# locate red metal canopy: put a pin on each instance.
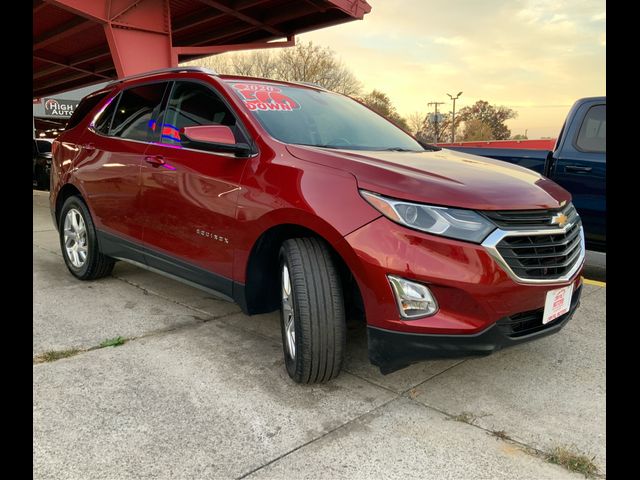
(80, 42)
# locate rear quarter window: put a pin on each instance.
(84, 107)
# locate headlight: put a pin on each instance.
(449, 222)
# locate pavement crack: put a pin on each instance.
(146, 291)
(289, 452)
(499, 435)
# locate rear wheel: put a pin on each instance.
(312, 314)
(79, 243)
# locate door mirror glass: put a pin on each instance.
(220, 134)
(213, 138)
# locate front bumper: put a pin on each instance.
(475, 294)
(391, 351)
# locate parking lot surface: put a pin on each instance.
(199, 390)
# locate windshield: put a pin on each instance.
(311, 117)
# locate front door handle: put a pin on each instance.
(155, 160)
(577, 169)
(89, 147)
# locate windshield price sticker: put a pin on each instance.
(266, 98)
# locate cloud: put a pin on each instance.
(523, 52)
(457, 41)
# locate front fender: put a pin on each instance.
(318, 198)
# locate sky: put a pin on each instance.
(535, 56)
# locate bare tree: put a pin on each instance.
(415, 121)
(302, 63)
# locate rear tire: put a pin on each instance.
(79, 243)
(312, 316)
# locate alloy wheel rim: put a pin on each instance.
(287, 314)
(75, 238)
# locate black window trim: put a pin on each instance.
(82, 121)
(574, 143)
(92, 126)
(119, 95)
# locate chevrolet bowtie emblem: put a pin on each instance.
(559, 219)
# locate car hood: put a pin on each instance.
(442, 177)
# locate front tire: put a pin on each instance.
(79, 243)
(312, 317)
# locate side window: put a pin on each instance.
(193, 104)
(134, 117)
(593, 132)
(102, 122)
(84, 107)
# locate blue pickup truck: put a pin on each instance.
(578, 163)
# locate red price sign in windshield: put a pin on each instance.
(260, 97)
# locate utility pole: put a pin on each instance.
(453, 117)
(435, 117)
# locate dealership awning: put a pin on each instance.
(80, 42)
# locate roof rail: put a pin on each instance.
(311, 84)
(163, 70)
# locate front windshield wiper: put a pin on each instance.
(321, 146)
(398, 149)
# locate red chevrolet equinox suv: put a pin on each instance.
(286, 196)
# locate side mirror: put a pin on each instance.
(215, 138)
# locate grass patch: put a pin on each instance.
(53, 355)
(574, 462)
(465, 417)
(113, 342)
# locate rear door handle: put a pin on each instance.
(155, 160)
(89, 147)
(577, 169)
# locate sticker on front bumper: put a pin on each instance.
(558, 303)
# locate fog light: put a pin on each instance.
(414, 299)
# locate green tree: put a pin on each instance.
(476, 129)
(519, 137)
(489, 116)
(380, 103)
(428, 131)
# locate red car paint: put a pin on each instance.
(234, 201)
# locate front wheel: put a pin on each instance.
(312, 315)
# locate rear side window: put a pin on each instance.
(103, 121)
(84, 107)
(193, 104)
(134, 114)
(593, 132)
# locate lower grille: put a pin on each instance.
(526, 323)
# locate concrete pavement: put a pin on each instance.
(200, 391)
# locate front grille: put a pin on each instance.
(542, 257)
(526, 323)
(527, 219)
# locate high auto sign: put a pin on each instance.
(59, 108)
